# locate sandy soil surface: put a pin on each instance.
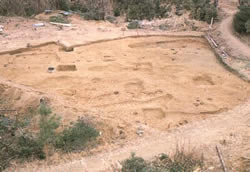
(161, 82)
(19, 32)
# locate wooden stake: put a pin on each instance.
(221, 159)
(211, 24)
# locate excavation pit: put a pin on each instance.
(64, 68)
(133, 80)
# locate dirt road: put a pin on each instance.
(227, 31)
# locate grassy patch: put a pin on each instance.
(59, 19)
(76, 137)
(180, 162)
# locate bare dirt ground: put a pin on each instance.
(170, 87)
(159, 75)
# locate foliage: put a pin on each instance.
(180, 162)
(29, 147)
(59, 19)
(134, 163)
(244, 2)
(134, 25)
(90, 9)
(29, 7)
(247, 25)
(14, 144)
(17, 142)
(240, 21)
(63, 5)
(203, 10)
(48, 125)
(94, 14)
(140, 9)
(76, 137)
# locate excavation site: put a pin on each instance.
(124, 85)
(160, 82)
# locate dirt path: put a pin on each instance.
(227, 32)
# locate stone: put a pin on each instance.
(140, 131)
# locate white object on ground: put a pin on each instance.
(39, 25)
(48, 11)
(1, 28)
(65, 13)
(61, 24)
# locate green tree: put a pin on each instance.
(241, 18)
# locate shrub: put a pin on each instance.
(117, 12)
(241, 18)
(140, 9)
(76, 137)
(63, 5)
(48, 125)
(180, 162)
(203, 10)
(247, 25)
(134, 163)
(93, 15)
(134, 25)
(77, 6)
(29, 147)
(59, 19)
(16, 142)
(28, 7)
(20, 146)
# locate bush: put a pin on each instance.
(247, 25)
(63, 5)
(59, 19)
(140, 9)
(203, 10)
(76, 137)
(17, 143)
(134, 163)
(180, 162)
(241, 18)
(134, 25)
(93, 15)
(117, 12)
(29, 147)
(29, 7)
(20, 146)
